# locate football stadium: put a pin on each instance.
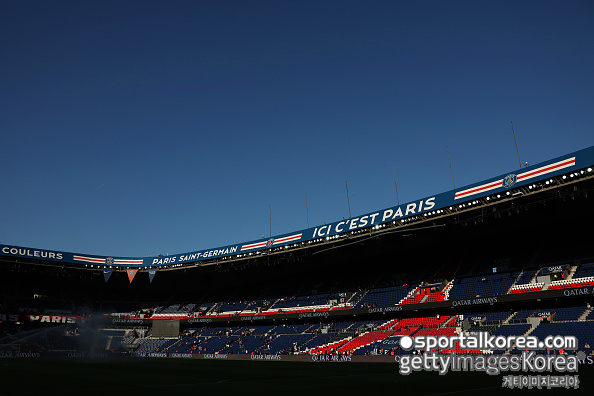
(324, 309)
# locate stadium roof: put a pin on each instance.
(521, 186)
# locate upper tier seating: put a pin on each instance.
(386, 296)
(584, 271)
(482, 285)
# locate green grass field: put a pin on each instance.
(214, 377)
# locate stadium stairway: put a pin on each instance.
(510, 317)
(212, 309)
(108, 344)
(515, 282)
(364, 340)
(388, 325)
(177, 343)
(451, 321)
(411, 296)
(531, 329)
(572, 271)
(526, 333)
(356, 297)
(271, 306)
(446, 291)
(585, 314)
(328, 348)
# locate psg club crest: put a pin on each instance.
(270, 242)
(131, 274)
(509, 180)
(109, 260)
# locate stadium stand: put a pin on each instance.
(445, 275)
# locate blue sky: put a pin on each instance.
(136, 128)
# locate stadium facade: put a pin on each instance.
(507, 255)
(434, 206)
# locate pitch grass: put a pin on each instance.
(213, 377)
